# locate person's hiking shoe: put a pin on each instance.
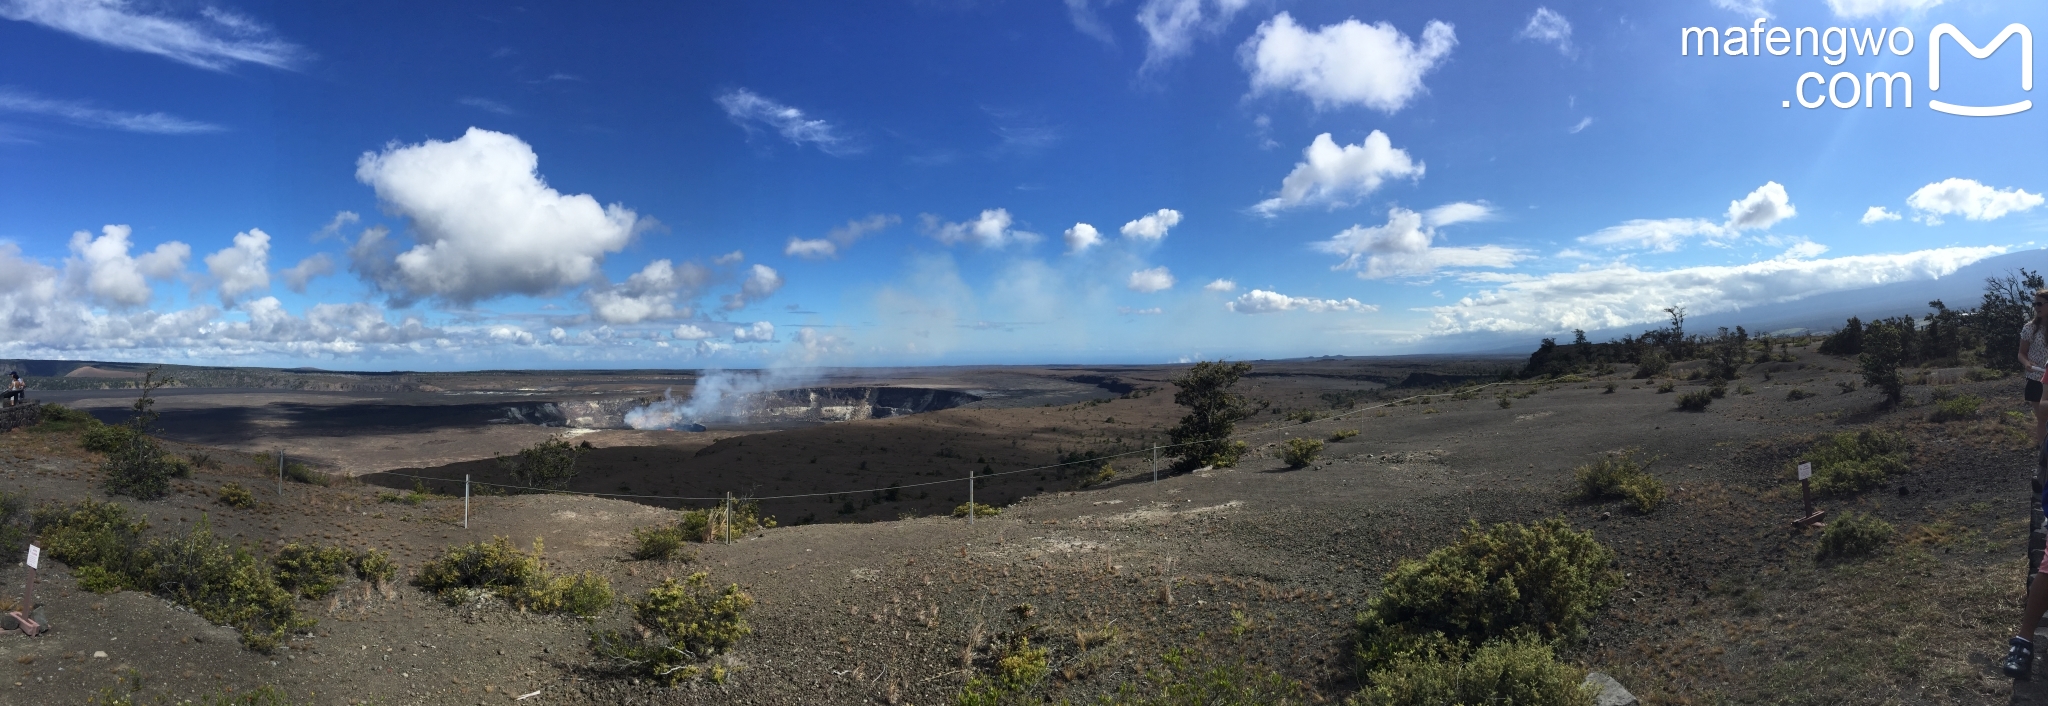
(2019, 661)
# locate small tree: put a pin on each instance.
(1848, 341)
(549, 464)
(1883, 350)
(2008, 305)
(1213, 414)
(136, 466)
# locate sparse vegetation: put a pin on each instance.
(1854, 534)
(980, 510)
(1621, 475)
(1696, 401)
(301, 473)
(1956, 409)
(548, 465)
(685, 624)
(1101, 475)
(661, 543)
(712, 524)
(233, 494)
(1666, 386)
(1018, 666)
(59, 419)
(1610, 388)
(498, 569)
(1797, 394)
(1522, 671)
(1213, 414)
(1342, 434)
(374, 566)
(1299, 452)
(1855, 462)
(1186, 679)
(309, 571)
(136, 465)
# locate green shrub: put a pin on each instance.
(1666, 386)
(234, 495)
(1610, 388)
(980, 510)
(1504, 402)
(227, 585)
(309, 571)
(1101, 475)
(1718, 390)
(90, 533)
(301, 473)
(1542, 579)
(548, 465)
(1184, 679)
(1855, 462)
(99, 580)
(1018, 667)
(711, 524)
(1621, 475)
(1854, 534)
(685, 624)
(1958, 408)
(585, 594)
(57, 418)
(660, 543)
(1652, 364)
(374, 566)
(1299, 452)
(1797, 394)
(1304, 416)
(1695, 401)
(15, 523)
(1523, 672)
(106, 438)
(495, 567)
(1343, 434)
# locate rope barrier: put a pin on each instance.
(1034, 469)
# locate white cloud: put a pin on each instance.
(812, 346)
(1762, 208)
(1580, 126)
(1403, 247)
(1878, 214)
(1873, 8)
(1546, 26)
(1969, 199)
(1128, 311)
(687, 332)
(1331, 174)
(486, 104)
(83, 114)
(652, 294)
(760, 331)
(1620, 295)
(1172, 25)
(297, 276)
(486, 225)
(1663, 235)
(243, 267)
(761, 282)
(838, 239)
(990, 230)
(1221, 285)
(1152, 280)
(748, 108)
(1152, 226)
(731, 258)
(1260, 301)
(1081, 237)
(224, 40)
(1803, 250)
(342, 219)
(108, 276)
(1746, 8)
(1457, 212)
(1085, 20)
(1349, 63)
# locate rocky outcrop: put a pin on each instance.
(1610, 692)
(20, 415)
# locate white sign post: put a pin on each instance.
(28, 596)
(1812, 516)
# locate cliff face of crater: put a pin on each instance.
(810, 404)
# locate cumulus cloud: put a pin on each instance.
(1878, 214)
(761, 282)
(216, 40)
(1803, 250)
(1220, 285)
(1152, 280)
(1081, 237)
(1329, 173)
(83, 114)
(1349, 63)
(750, 109)
(1548, 27)
(1152, 226)
(1171, 26)
(1404, 247)
(1873, 8)
(1969, 199)
(760, 331)
(840, 238)
(1260, 301)
(811, 346)
(1621, 295)
(990, 230)
(652, 294)
(688, 332)
(241, 268)
(485, 223)
(1762, 208)
(298, 276)
(102, 269)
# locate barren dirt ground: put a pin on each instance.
(1256, 563)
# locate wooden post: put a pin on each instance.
(465, 501)
(280, 472)
(1155, 463)
(970, 497)
(728, 518)
(28, 596)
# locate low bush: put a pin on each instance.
(980, 510)
(1017, 667)
(1959, 408)
(106, 438)
(1718, 390)
(1101, 475)
(495, 567)
(711, 524)
(585, 594)
(1304, 416)
(1797, 394)
(15, 524)
(1343, 434)
(1610, 388)
(684, 624)
(1652, 364)
(1621, 475)
(548, 465)
(1854, 534)
(301, 473)
(1855, 462)
(1523, 672)
(90, 533)
(234, 495)
(1542, 579)
(1299, 452)
(57, 418)
(310, 571)
(374, 566)
(1666, 386)
(1695, 401)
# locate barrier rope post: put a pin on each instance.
(970, 497)
(280, 471)
(465, 501)
(728, 518)
(1155, 463)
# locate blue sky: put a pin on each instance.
(726, 184)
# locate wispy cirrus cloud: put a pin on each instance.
(79, 113)
(750, 109)
(216, 40)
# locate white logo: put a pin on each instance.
(1934, 68)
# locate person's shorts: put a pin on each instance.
(2033, 391)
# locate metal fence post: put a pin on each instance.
(465, 501)
(1155, 463)
(970, 497)
(280, 472)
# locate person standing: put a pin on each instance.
(2019, 655)
(15, 389)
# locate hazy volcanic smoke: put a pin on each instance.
(718, 397)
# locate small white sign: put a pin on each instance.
(34, 553)
(1805, 471)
